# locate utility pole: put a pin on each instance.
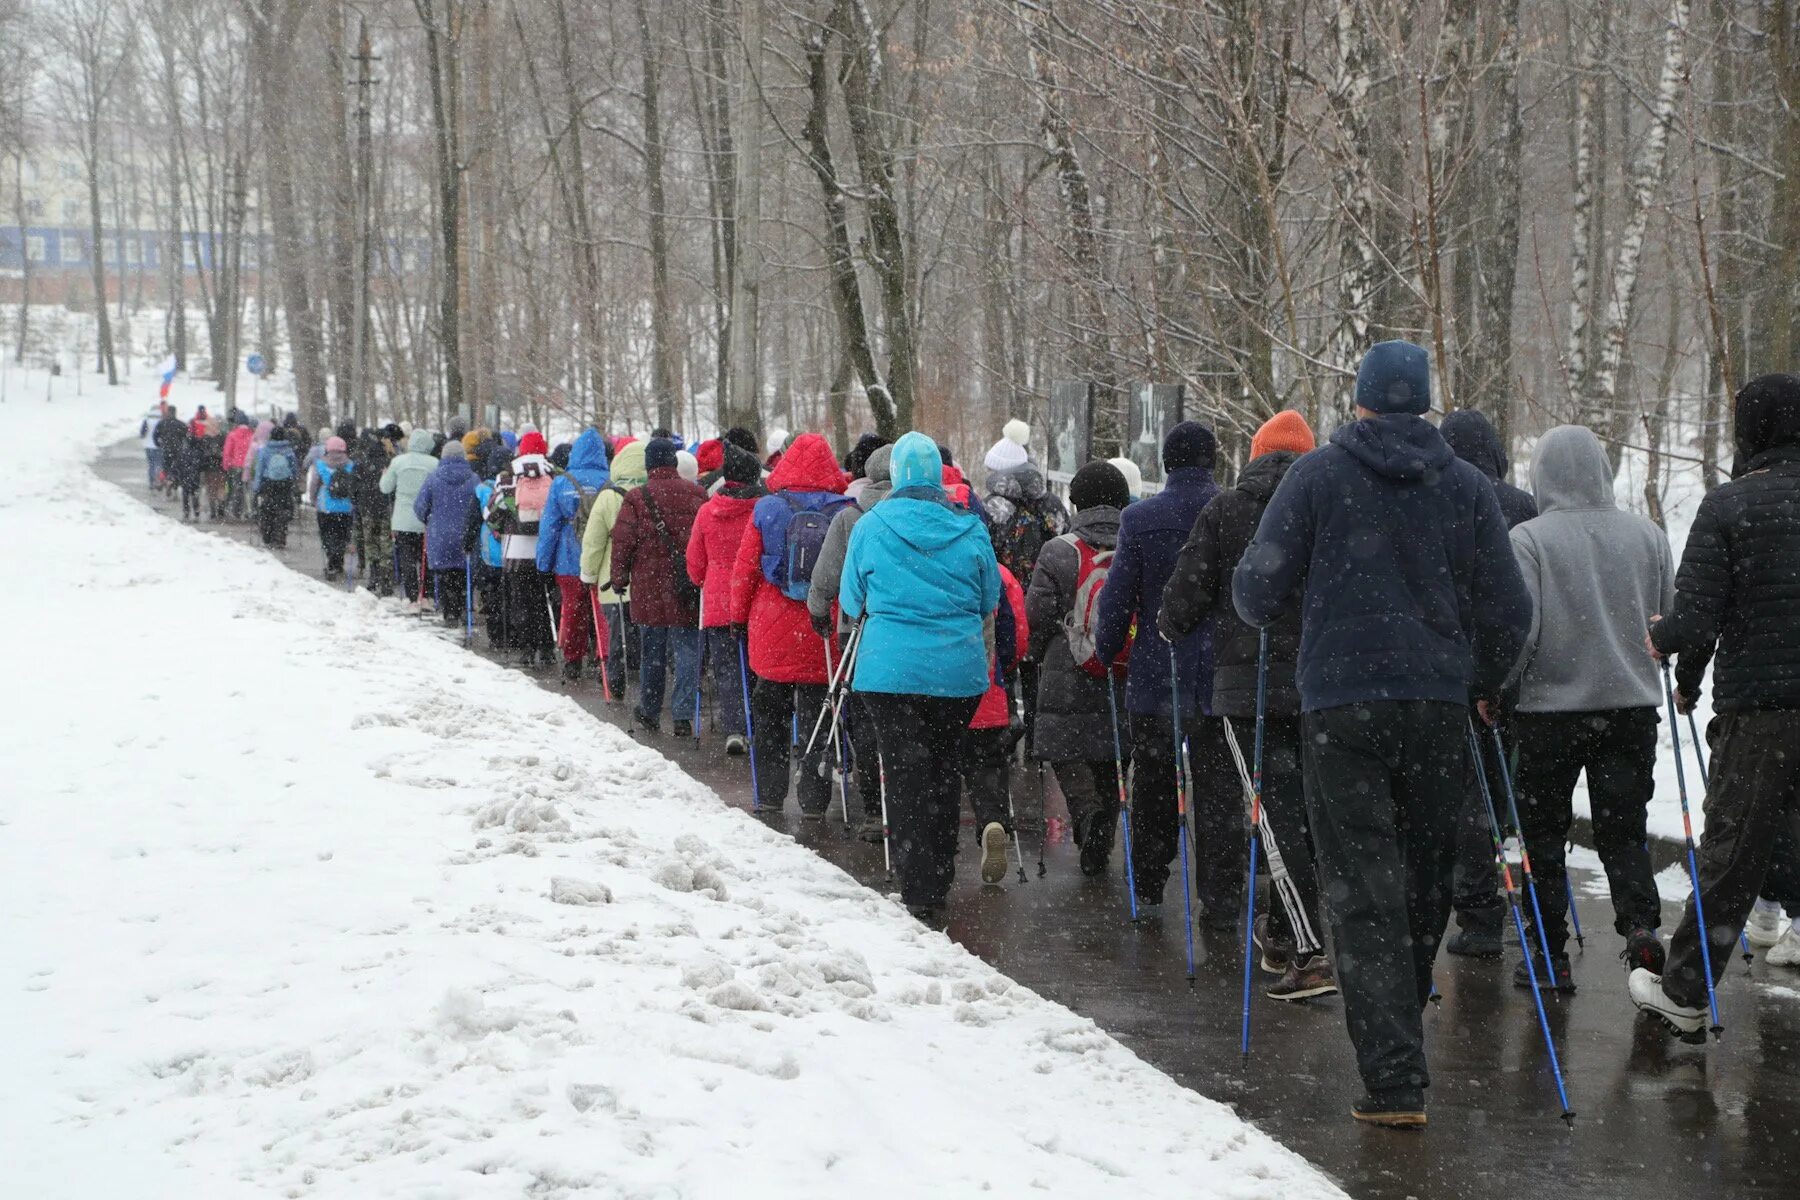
(746, 279)
(361, 401)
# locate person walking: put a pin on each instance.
(190, 468)
(148, 430)
(1735, 594)
(628, 473)
(273, 475)
(329, 491)
(985, 761)
(370, 513)
(1151, 533)
(514, 512)
(484, 544)
(170, 435)
(769, 583)
(921, 570)
(1073, 733)
(649, 561)
(573, 495)
(444, 506)
(1410, 601)
(264, 431)
(234, 455)
(711, 550)
(1199, 592)
(401, 481)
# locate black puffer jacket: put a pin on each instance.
(1739, 582)
(1073, 719)
(1473, 439)
(1201, 588)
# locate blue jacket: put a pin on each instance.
(558, 549)
(1151, 533)
(490, 542)
(323, 500)
(924, 571)
(443, 503)
(1411, 591)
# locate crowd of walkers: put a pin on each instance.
(1362, 667)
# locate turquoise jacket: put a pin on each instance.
(923, 570)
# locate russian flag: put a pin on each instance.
(168, 375)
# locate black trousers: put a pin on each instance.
(1476, 878)
(334, 536)
(1220, 844)
(452, 594)
(1617, 749)
(920, 738)
(865, 750)
(1383, 789)
(488, 583)
(773, 711)
(274, 509)
(1088, 788)
(1284, 810)
(984, 766)
(527, 609)
(409, 552)
(1752, 801)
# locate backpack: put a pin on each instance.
(337, 481)
(531, 493)
(687, 592)
(800, 549)
(1020, 538)
(584, 507)
(1084, 614)
(279, 468)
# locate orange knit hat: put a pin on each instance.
(1286, 430)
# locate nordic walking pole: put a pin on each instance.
(699, 663)
(1512, 813)
(1181, 808)
(1569, 889)
(1687, 829)
(1043, 805)
(750, 732)
(887, 841)
(1256, 791)
(468, 599)
(1706, 783)
(1518, 916)
(602, 640)
(1112, 705)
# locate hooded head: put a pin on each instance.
(278, 435)
(1473, 439)
(1097, 484)
(419, 441)
(263, 430)
(510, 440)
(559, 457)
(1128, 470)
(1767, 415)
(1395, 377)
(660, 453)
(1189, 444)
(1569, 469)
(778, 439)
(1286, 430)
(533, 443)
(857, 461)
(742, 438)
(916, 463)
(687, 466)
(808, 466)
(588, 455)
(741, 465)
(499, 458)
(470, 440)
(452, 451)
(880, 466)
(346, 430)
(628, 470)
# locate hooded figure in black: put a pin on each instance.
(1737, 592)
(370, 509)
(1473, 439)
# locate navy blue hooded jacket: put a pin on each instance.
(1411, 591)
(1151, 534)
(1473, 438)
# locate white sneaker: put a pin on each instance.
(993, 852)
(1764, 926)
(1647, 993)
(1786, 952)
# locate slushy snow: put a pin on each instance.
(301, 899)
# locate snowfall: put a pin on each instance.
(301, 899)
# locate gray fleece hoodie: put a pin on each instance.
(828, 571)
(1597, 575)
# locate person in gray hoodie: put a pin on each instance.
(827, 574)
(1588, 694)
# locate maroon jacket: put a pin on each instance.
(642, 559)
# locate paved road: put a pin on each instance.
(1656, 1117)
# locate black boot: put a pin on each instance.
(1479, 935)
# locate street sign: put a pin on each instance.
(254, 364)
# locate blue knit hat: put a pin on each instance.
(916, 462)
(659, 453)
(1395, 377)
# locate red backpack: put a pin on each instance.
(1084, 614)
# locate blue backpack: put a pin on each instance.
(806, 528)
(280, 466)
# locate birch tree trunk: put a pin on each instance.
(1359, 267)
(665, 366)
(1582, 248)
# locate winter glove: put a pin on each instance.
(1164, 628)
(822, 626)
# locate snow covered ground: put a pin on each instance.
(300, 899)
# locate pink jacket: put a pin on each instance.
(237, 448)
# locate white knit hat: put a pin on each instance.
(1018, 431)
(687, 466)
(1134, 478)
(1005, 455)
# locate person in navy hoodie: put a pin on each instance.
(443, 504)
(1410, 602)
(1151, 534)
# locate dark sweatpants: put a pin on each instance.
(1383, 789)
(920, 737)
(451, 588)
(527, 604)
(1220, 845)
(409, 552)
(983, 765)
(1753, 798)
(1284, 812)
(488, 582)
(772, 712)
(1617, 749)
(865, 751)
(1088, 788)
(334, 536)
(274, 509)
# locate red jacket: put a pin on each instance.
(642, 561)
(995, 710)
(237, 448)
(957, 488)
(783, 646)
(712, 551)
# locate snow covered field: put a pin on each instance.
(300, 899)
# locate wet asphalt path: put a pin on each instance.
(1656, 1117)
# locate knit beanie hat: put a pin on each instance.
(452, 449)
(336, 445)
(1004, 455)
(710, 455)
(1189, 444)
(741, 465)
(559, 457)
(1096, 484)
(660, 452)
(857, 461)
(470, 440)
(1286, 430)
(1395, 377)
(743, 439)
(1134, 478)
(687, 466)
(533, 443)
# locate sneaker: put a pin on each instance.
(1786, 952)
(1148, 911)
(1096, 843)
(571, 671)
(736, 746)
(1647, 993)
(1392, 1108)
(993, 852)
(1764, 926)
(683, 730)
(869, 830)
(1304, 978)
(1479, 933)
(1644, 949)
(1276, 954)
(1561, 980)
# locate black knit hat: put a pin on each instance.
(1099, 483)
(741, 466)
(743, 439)
(858, 458)
(1189, 444)
(660, 452)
